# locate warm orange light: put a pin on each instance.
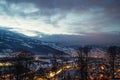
(118, 70)
(59, 71)
(91, 78)
(101, 75)
(102, 67)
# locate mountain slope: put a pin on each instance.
(13, 42)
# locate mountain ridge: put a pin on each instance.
(13, 42)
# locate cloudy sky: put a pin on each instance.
(86, 21)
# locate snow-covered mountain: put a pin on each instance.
(65, 49)
(98, 53)
(95, 53)
(11, 42)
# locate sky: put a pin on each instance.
(84, 21)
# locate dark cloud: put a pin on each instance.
(110, 8)
(65, 4)
(70, 4)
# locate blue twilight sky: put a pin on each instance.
(77, 20)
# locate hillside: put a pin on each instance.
(13, 42)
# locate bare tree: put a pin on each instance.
(112, 52)
(22, 58)
(86, 50)
(83, 61)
